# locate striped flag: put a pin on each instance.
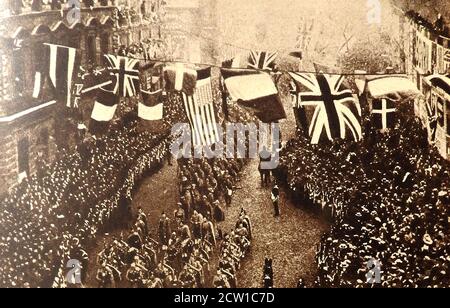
(326, 107)
(255, 91)
(105, 105)
(126, 72)
(59, 67)
(200, 111)
(151, 107)
(180, 78)
(262, 60)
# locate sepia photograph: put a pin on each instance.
(224, 150)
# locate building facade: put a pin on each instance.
(32, 130)
(190, 30)
(427, 61)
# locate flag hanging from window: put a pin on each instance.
(59, 64)
(327, 108)
(151, 107)
(255, 91)
(126, 75)
(200, 111)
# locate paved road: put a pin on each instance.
(290, 240)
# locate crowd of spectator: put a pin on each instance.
(64, 205)
(389, 199)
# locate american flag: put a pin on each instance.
(200, 111)
(262, 60)
(126, 72)
(59, 66)
(327, 107)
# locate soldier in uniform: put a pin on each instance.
(275, 200)
(143, 218)
(219, 213)
(134, 240)
(208, 232)
(196, 221)
(164, 229)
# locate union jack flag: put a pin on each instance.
(326, 107)
(125, 70)
(262, 60)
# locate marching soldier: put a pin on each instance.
(275, 200)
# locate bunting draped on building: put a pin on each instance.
(326, 108)
(200, 110)
(255, 91)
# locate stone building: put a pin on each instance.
(31, 130)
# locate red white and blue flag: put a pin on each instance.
(59, 67)
(126, 73)
(328, 110)
(200, 111)
(262, 60)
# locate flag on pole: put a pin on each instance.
(262, 60)
(151, 107)
(180, 78)
(328, 109)
(200, 111)
(256, 91)
(105, 105)
(383, 113)
(59, 67)
(126, 74)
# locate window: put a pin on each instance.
(43, 141)
(18, 69)
(91, 49)
(23, 156)
(104, 47)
